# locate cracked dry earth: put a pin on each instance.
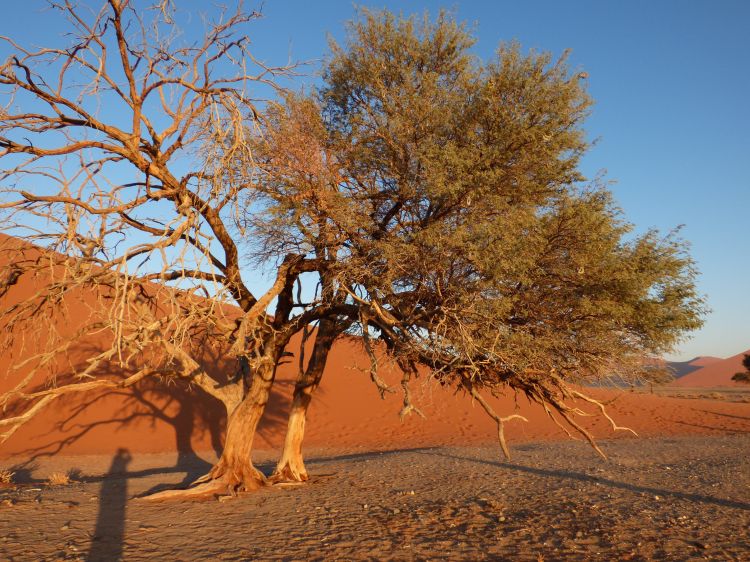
(654, 499)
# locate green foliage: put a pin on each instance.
(447, 195)
(743, 376)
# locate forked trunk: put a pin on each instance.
(234, 472)
(291, 466)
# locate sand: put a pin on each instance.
(680, 491)
(346, 413)
(654, 499)
(717, 373)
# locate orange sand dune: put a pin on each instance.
(346, 413)
(717, 373)
(682, 368)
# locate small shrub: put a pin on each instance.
(59, 479)
(717, 396)
(6, 476)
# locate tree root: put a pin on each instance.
(209, 487)
(288, 473)
(206, 490)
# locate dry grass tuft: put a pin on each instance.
(59, 479)
(6, 476)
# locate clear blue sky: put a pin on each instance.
(671, 80)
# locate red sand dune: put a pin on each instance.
(682, 368)
(346, 413)
(705, 360)
(717, 373)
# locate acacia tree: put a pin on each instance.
(743, 376)
(124, 154)
(446, 198)
(436, 199)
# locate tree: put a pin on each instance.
(656, 375)
(743, 376)
(436, 201)
(446, 197)
(124, 155)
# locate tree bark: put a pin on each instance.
(291, 466)
(234, 472)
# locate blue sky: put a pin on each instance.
(670, 79)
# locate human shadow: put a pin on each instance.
(108, 539)
(586, 478)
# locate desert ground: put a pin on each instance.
(382, 488)
(669, 498)
(422, 489)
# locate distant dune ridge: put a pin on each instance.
(716, 372)
(682, 368)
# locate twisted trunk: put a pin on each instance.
(291, 466)
(234, 472)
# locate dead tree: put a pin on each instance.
(125, 156)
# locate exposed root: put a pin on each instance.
(289, 472)
(205, 478)
(287, 484)
(217, 483)
(205, 490)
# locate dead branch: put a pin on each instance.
(498, 420)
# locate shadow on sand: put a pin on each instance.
(586, 478)
(109, 534)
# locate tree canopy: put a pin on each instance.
(435, 199)
(447, 195)
(743, 376)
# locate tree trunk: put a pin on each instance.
(234, 472)
(291, 466)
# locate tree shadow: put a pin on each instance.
(726, 415)
(188, 410)
(586, 478)
(719, 429)
(109, 534)
(367, 455)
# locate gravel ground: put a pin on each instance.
(654, 499)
